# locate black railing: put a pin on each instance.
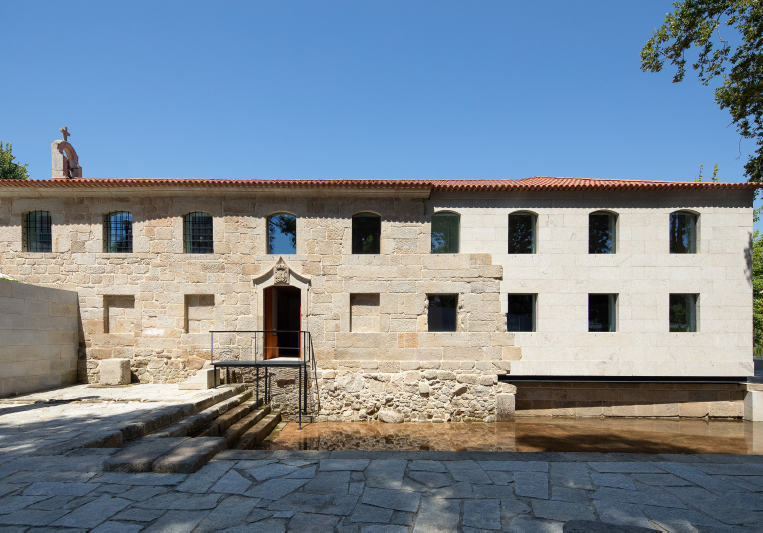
(266, 348)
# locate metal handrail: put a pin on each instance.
(305, 348)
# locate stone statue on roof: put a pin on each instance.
(65, 160)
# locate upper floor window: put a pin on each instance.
(683, 233)
(602, 233)
(197, 233)
(118, 232)
(445, 233)
(521, 312)
(522, 233)
(39, 235)
(366, 233)
(282, 234)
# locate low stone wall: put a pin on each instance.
(417, 392)
(630, 400)
(38, 338)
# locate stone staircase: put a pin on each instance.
(184, 447)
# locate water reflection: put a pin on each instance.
(531, 435)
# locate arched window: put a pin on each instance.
(366, 233)
(445, 228)
(683, 233)
(602, 232)
(39, 236)
(522, 233)
(282, 234)
(197, 233)
(118, 232)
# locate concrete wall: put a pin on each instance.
(38, 338)
(643, 273)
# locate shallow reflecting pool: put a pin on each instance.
(530, 435)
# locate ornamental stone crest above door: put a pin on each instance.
(281, 272)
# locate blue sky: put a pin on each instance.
(371, 90)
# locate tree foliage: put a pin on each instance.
(711, 26)
(8, 169)
(757, 289)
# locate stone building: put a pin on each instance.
(418, 295)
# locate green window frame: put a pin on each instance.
(118, 232)
(198, 233)
(683, 232)
(39, 232)
(445, 233)
(683, 313)
(366, 233)
(602, 233)
(522, 232)
(520, 315)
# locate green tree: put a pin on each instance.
(8, 169)
(699, 23)
(757, 290)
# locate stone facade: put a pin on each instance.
(38, 338)
(367, 314)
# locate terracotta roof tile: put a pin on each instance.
(532, 183)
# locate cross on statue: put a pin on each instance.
(65, 132)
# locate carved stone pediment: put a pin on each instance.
(281, 274)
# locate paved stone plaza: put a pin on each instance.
(42, 485)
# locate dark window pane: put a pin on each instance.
(521, 315)
(601, 312)
(282, 234)
(445, 233)
(601, 233)
(119, 232)
(197, 233)
(522, 233)
(683, 233)
(39, 235)
(366, 233)
(442, 312)
(683, 312)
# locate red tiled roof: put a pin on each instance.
(533, 183)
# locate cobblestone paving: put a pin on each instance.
(389, 492)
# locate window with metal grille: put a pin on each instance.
(445, 233)
(39, 235)
(118, 232)
(366, 233)
(197, 233)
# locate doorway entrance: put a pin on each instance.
(283, 321)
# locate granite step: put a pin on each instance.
(193, 423)
(258, 432)
(189, 456)
(234, 432)
(140, 457)
(220, 424)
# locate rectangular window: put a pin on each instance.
(683, 313)
(521, 315)
(38, 236)
(442, 312)
(366, 233)
(602, 229)
(683, 233)
(602, 313)
(522, 233)
(445, 233)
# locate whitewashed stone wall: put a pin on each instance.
(643, 273)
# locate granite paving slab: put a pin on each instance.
(482, 514)
(531, 484)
